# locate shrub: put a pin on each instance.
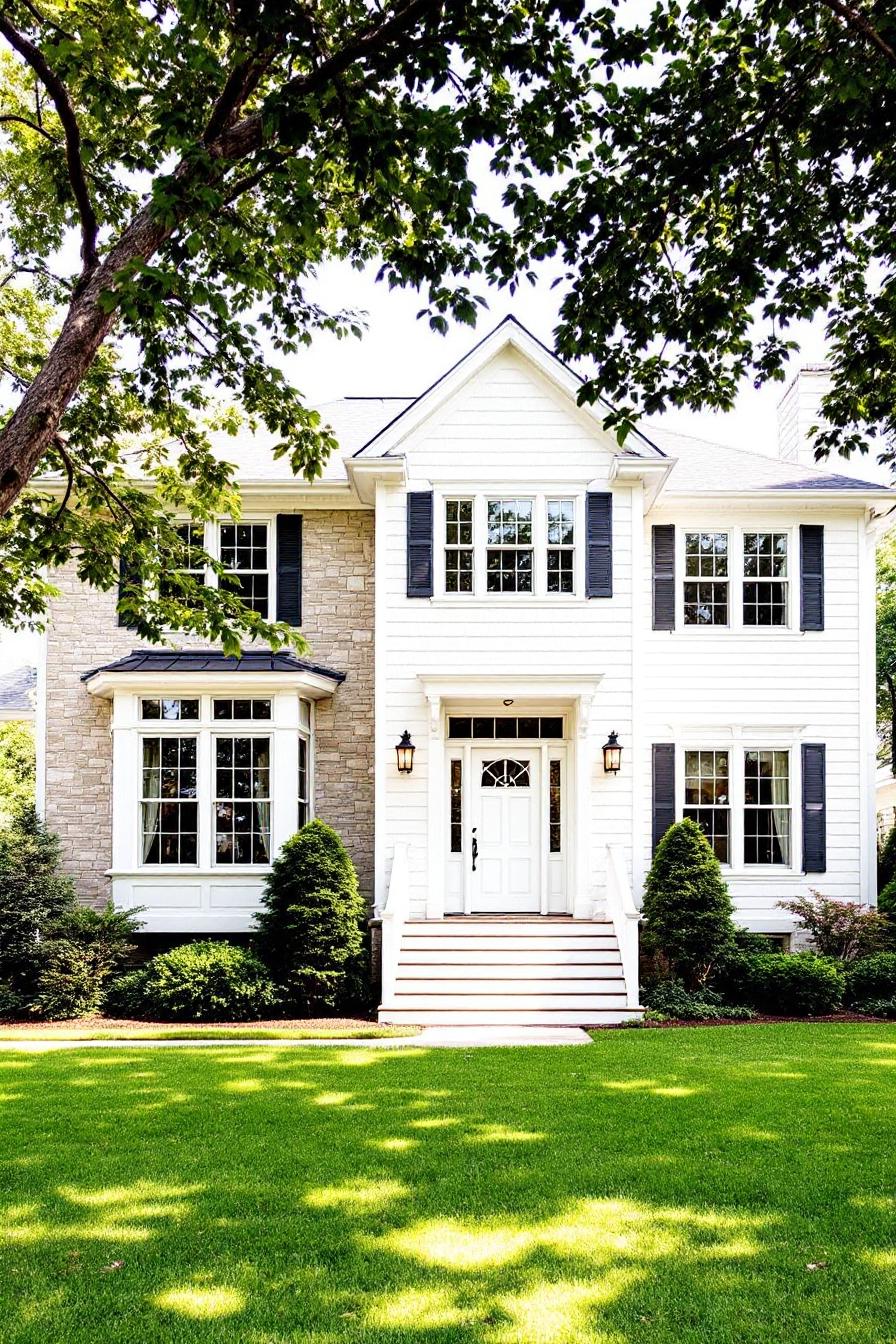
(886, 901)
(309, 928)
(841, 929)
(871, 978)
(84, 950)
(199, 982)
(34, 897)
(126, 995)
(876, 1007)
(687, 909)
(670, 998)
(787, 984)
(886, 861)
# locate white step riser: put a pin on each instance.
(517, 1002)
(439, 988)
(506, 943)
(535, 928)
(408, 970)
(504, 1018)
(484, 958)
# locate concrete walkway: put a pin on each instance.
(457, 1038)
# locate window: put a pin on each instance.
(304, 800)
(170, 710)
(561, 548)
(456, 804)
(244, 554)
(168, 807)
(242, 805)
(765, 578)
(189, 562)
(458, 545)
(241, 709)
(706, 578)
(554, 807)
(508, 556)
(767, 807)
(488, 727)
(707, 799)
(505, 775)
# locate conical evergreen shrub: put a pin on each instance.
(34, 897)
(309, 929)
(687, 909)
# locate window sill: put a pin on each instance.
(192, 870)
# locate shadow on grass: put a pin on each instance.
(716, 1187)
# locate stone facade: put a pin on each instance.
(338, 623)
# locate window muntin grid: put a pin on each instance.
(244, 554)
(244, 708)
(560, 545)
(242, 800)
(456, 807)
(459, 545)
(767, 809)
(509, 552)
(765, 578)
(192, 541)
(707, 798)
(169, 814)
(706, 578)
(488, 726)
(171, 710)
(505, 774)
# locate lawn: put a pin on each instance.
(712, 1185)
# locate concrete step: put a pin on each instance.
(523, 987)
(487, 957)
(486, 1000)
(537, 927)
(530, 970)
(506, 942)
(504, 1017)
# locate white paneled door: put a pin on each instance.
(506, 817)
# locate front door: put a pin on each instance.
(506, 872)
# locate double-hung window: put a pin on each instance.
(244, 554)
(304, 791)
(767, 811)
(706, 578)
(509, 551)
(509, 544)
(188, 563)
(741, 798)
(242, 803)
(765, 578)
(561, 545)
(707, 798)
(459, 546)
(169, 811)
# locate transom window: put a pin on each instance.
(241, 709)
(561, 545)
(505, 774)
(168, 807)
(707, 799)
(509, 551)
(458, 545)
(242, 800)
(488, 727)
(767, 819)
(244, 554)
(765, 578)
(171, 710)
(706, 578)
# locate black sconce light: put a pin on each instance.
(404, 751)
(612, 755)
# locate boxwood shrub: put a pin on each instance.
(197, 982)
(872, 978)
(670, 998)
(783, 984)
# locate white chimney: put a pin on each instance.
(799, 411)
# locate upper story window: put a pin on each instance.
(765, 578)
(244, 554)
(509, 544)
(706, 578)
(192, 540)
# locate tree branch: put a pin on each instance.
(32, 126)
(861, 24)
(66, 113)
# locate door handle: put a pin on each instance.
(475, 849)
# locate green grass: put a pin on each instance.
(203, 1033)
(658, 1187)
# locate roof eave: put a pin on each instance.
(652, 472)
(365, 473)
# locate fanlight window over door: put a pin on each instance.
(505, 774)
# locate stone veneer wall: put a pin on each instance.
(337, 611)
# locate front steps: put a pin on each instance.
(477, 971)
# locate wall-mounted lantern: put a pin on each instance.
(404, 751)
(612, 755)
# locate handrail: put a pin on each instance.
(625, 915)
(394, 917)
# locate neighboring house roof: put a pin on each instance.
(209, 660)
(17, 690)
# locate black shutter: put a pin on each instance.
(811, 577)
(128, 586)
(663, 789)
(419, 543)
(814, 808)
(664, 577)
(289, 568)
(599, 527)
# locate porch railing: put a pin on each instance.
(394, 916)
(625, 915)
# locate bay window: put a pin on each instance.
(242, 804)
(168, 806)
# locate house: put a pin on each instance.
(531, 650)
(17, 693)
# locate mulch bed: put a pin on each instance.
(98, 1023)
(758, 1021)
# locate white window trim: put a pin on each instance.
(211, 543)
(736, 755)
(736, 578)
(539, 498)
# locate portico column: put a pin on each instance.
(436, 848)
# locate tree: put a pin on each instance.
(308, 931)
(886, 649)
(17, 769)
(34, 899)
(687, 909)
(208, 155)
